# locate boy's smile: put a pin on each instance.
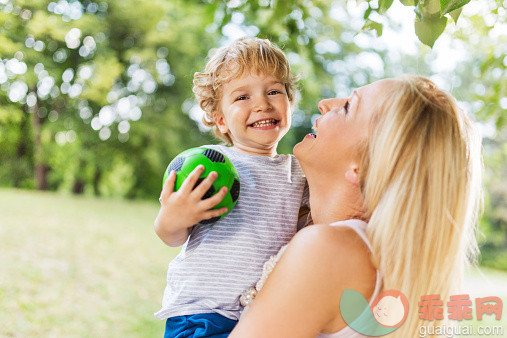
(265, 124)
(255, 112)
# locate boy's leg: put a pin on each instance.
(199, 326)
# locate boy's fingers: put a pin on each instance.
(192, 178)
(214, 213)
(168, 186)
(203, 187)
(209, 203)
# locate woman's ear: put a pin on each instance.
(220, 122)
(352, 175)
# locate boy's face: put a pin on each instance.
(256, 113)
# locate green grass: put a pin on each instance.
(86, 267)
(79, 267)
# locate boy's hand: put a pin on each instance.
(183, 208)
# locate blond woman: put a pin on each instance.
(394, 176)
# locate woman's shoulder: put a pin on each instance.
(302, 295)
(338, 248)
(330, 238)
(340, 259)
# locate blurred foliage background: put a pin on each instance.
(95, 96)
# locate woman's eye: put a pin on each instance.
(346, 107)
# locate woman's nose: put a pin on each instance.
(328, 104)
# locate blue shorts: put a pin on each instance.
(199, 325)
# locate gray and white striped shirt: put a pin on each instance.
(220, 260)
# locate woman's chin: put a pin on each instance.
(297, 149)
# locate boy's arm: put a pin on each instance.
(171, 238)
(181, 209)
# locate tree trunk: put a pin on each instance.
(23, 154)
(78, 187)
(41, 168)
(96, 181)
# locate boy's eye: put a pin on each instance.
(274, 92)
(240, 98)
(346, 107)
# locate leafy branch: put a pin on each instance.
(431, 16)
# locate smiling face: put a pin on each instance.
(340, 130)
(255, 113)
(389, 311)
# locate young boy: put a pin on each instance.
(247, 92)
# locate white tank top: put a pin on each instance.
(360, 228)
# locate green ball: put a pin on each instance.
(212, 160)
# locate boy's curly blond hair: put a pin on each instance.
(243, 56)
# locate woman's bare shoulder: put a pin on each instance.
(343, 257)
(301, 297)
(333, 241)
(340, 251)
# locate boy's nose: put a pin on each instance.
(261, 105)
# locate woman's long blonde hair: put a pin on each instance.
(421, 180)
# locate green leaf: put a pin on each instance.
(447, 6)
(372, 25)
(418, 13)
(383, 5)
(430, 7)
(367, 13)
(429, 29)
(455, 14)
(408, 2)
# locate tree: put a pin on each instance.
(96, 96)
(431, 16)
(80, 68)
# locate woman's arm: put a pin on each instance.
(302, 295)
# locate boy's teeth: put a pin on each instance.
(264, 123)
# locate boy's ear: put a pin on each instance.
(352, 175)
(220, 122)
